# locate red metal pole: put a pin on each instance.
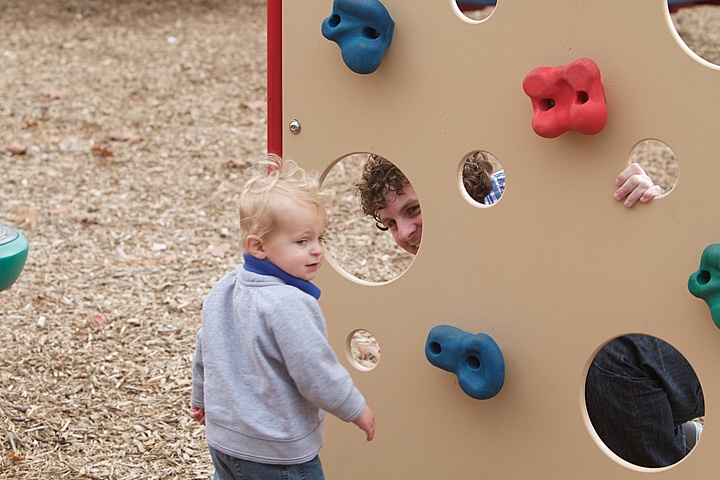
(274, 77)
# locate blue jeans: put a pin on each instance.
(231, 468)
(639, 391)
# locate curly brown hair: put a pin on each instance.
(379, 177)
(476, 174)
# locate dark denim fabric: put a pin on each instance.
(230, 468)
(639, 390)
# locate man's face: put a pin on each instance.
(402, 216)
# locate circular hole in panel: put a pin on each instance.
(697, 24)
(643, 401)
(363, 350)
(482, 178)
(357, 244)
(659, 162)
(475, 10)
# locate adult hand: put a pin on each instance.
(633, 185)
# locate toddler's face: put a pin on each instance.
(296, 243)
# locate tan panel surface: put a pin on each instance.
(552, 271)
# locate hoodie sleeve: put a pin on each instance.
(301, 334)
(198, 374)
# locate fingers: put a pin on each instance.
(635, 194)
(635, 185)
(198, 414)
(366, 421)
(630, 170)
(651, 193)
(370, 432)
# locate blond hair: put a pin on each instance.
(266, 181)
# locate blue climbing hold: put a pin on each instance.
(363, 29)
(475, 359)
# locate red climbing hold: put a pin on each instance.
(569, 97)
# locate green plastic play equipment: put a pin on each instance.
(13, 253)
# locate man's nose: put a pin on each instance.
(406, 229)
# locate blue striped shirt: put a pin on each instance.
(498, 181)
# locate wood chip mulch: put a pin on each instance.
(125, 127)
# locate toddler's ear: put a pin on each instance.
(255, 246)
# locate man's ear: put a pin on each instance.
(255, 246)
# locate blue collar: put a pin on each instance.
(263, 267)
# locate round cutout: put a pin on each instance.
(659, 162)
(482, 178)
(358, 244)
(697, 25)
(475, 10)
(363, 350)
(643, 401)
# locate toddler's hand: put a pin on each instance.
(198, 414)
(366, 421)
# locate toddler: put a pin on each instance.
(264, 373)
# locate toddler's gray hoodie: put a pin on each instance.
(264, 372)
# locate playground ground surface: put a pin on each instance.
(124, 130)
